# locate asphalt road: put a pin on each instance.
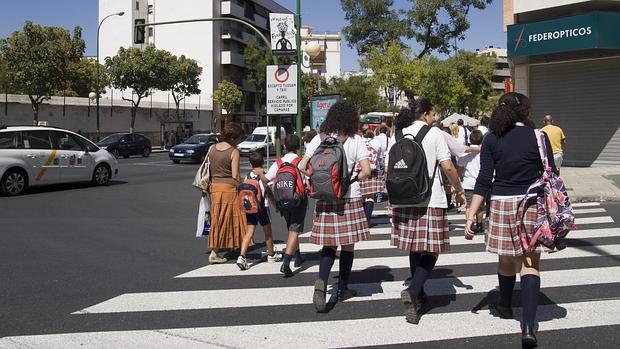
(68, 247)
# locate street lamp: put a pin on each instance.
(97, 68)
(313, 50)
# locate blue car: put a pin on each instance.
(194, 148)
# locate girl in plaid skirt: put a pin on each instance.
(339, 223)
(509, 163)
(372, 185)
(423, 229)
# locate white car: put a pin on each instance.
(31, 155)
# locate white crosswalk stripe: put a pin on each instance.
(592, 259)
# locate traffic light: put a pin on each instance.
(138, 31)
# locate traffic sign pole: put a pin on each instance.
(298, 121)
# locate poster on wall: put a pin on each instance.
(319, 105)
(282, 33)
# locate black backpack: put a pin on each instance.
(407, 178)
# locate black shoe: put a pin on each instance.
(299, 261)
(318, 298)
(504, 312)
(411, 315)
(346, 293)
(422, 298)
(286, 270)
(528, 337)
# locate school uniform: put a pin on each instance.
(424, 227)
(341, 222)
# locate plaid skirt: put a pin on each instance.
(371, 185)
(339, 223)
(503, 237)
(420, 229)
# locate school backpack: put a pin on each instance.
(407, 180)
(556, 217)
(250, 195)
(328, 169)
(373, 158)
(289, 190)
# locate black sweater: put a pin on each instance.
(514, 158)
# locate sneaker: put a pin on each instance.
(504, 312)
(242, 263)
(286, 270)
(411, 315)
(346, 293)
(276, 257)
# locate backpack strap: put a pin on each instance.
(296, 161)
(279, 162)
(542, 148)
(422, 133)
(399, 134)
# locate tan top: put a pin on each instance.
(220, 164)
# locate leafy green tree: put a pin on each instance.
(361, 91)
(184, 78)
(81, 79)
(476, 71)
(38, 60)
(311, 85)
(228, 96)
(443, 86)
(140, 71)
(257, 59)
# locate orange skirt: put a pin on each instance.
(228, 222)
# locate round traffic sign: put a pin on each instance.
(281, 75)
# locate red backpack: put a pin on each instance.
(250, 195)
(289, 190)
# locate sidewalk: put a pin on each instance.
(599, 183)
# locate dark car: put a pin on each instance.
(126, 144)
(193, 149)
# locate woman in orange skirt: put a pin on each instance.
(228, 223)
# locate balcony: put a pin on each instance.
(502, 72)
(498, 86)
(230, 8)
(233, 58)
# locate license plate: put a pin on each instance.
(180, 155)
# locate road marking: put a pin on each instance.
(336, 333)
(457, 217)
(311, 266)
(48, 162)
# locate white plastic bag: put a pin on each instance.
(204, 216)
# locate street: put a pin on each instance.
(120, 266)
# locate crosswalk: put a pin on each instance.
(220, 306)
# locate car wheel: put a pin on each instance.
(146, 152)
(115, 153)
(13, 182)
(176, 161)
(101, 175)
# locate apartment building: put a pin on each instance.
(501, 78)
(327, 62)
(217, 46)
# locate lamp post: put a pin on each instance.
(97, 68)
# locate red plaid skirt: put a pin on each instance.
(339, 223)
(503, 237)
(420, 229)
(371, 185)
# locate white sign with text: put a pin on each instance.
(282, 89)
(282, 32)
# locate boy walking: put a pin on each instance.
(261, 217)
(471, 163)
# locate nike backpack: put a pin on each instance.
(289, 190)
(250, 195)
(328, 169)
(407, 180)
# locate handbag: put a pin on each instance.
(202, 179)
(203, 226)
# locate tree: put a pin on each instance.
(140, 71)
(184, 78)
(38, 60)
(257, 59)
(443, 86)
(228, 96)
(476, 71)
(360, 91)
(433, 24)
(82, 79)
(310, 87)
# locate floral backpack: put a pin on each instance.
(555, 218)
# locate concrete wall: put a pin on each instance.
(79, 115)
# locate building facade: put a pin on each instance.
(218, 47)
(501, 78)
(327, 63)
(565, 55)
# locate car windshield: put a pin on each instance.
(197, 139)
(372, 119)
(112, 138)
(255, 138)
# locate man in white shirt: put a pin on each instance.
(484, 125)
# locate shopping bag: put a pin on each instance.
(204, 217)
(202, 179)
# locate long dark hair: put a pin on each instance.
(412, 112)
(513, 107)
(342, 118)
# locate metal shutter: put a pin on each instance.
(584, 99)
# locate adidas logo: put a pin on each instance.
(401, 164)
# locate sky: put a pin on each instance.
(323, 15)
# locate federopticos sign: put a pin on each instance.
(281, 89)
(594, 30)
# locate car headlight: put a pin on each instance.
(189, 151)
(172, 150)
(104, 147)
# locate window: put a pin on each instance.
(64, 141)
(150, 32)
(86, 144)
(137, 6)
(150, 9)
(36, 140)
(8, 140)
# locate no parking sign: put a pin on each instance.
(281, 89)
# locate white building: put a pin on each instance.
(501, 74)
(217, 46)
(327, 63)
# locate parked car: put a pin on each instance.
(194, 148)
(259, 140)
(126, 145)
(32, 155)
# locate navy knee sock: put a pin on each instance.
(297, 255)
(368, 207)
(328, 256)
(414, 261)
(346, 264)
(506, 286)
(286, 259)
(425, 267)
(530, 293)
